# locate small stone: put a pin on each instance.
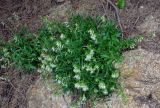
(39, 96)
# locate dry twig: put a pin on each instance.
(117, 14)
(65, 101)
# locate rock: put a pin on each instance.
(89, 7)
(150, 25)
(140, 72)
(39, 96)
(60, 12)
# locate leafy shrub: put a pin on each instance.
(79, 54)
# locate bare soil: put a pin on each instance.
(13, 88)
(17, 13)
(136, 21)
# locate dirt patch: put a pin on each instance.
(13, 87)
(17, 13)
(141, 17)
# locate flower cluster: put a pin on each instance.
(90, 69)
(92, 35)
(89, 55)
(103, 87)
(47, 64)
(5, 58)
(137, 40)
(82, 86)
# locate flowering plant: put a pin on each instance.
(81, 55)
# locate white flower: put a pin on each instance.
(52, 38)
(44, 62)
(66, 23)
(5, 50)
(59, 44)
(84, 66)
(15, 38)
(95, 91)
(76, 69)
(89, 56)
(57, 77)
(115, 75)
(133, 46)
(53, 49)
(92, 35)
(96, 67)
(90, 69)
(77, 85)
(39, 58)
(102, 85)
(39, 71)
(77, 77)
(91, 52)
(84, 87)
(117, 65)
(43, 55)
(84, 98)
(140, 39)
(48, 58)
(49, 29)
(105, 92)
(59, 81)
(48, 68)
(76, 26)
(62, 36)
(52, 65)
(103, 18)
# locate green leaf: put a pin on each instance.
(121, 4)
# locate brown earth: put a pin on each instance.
(140, 17)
